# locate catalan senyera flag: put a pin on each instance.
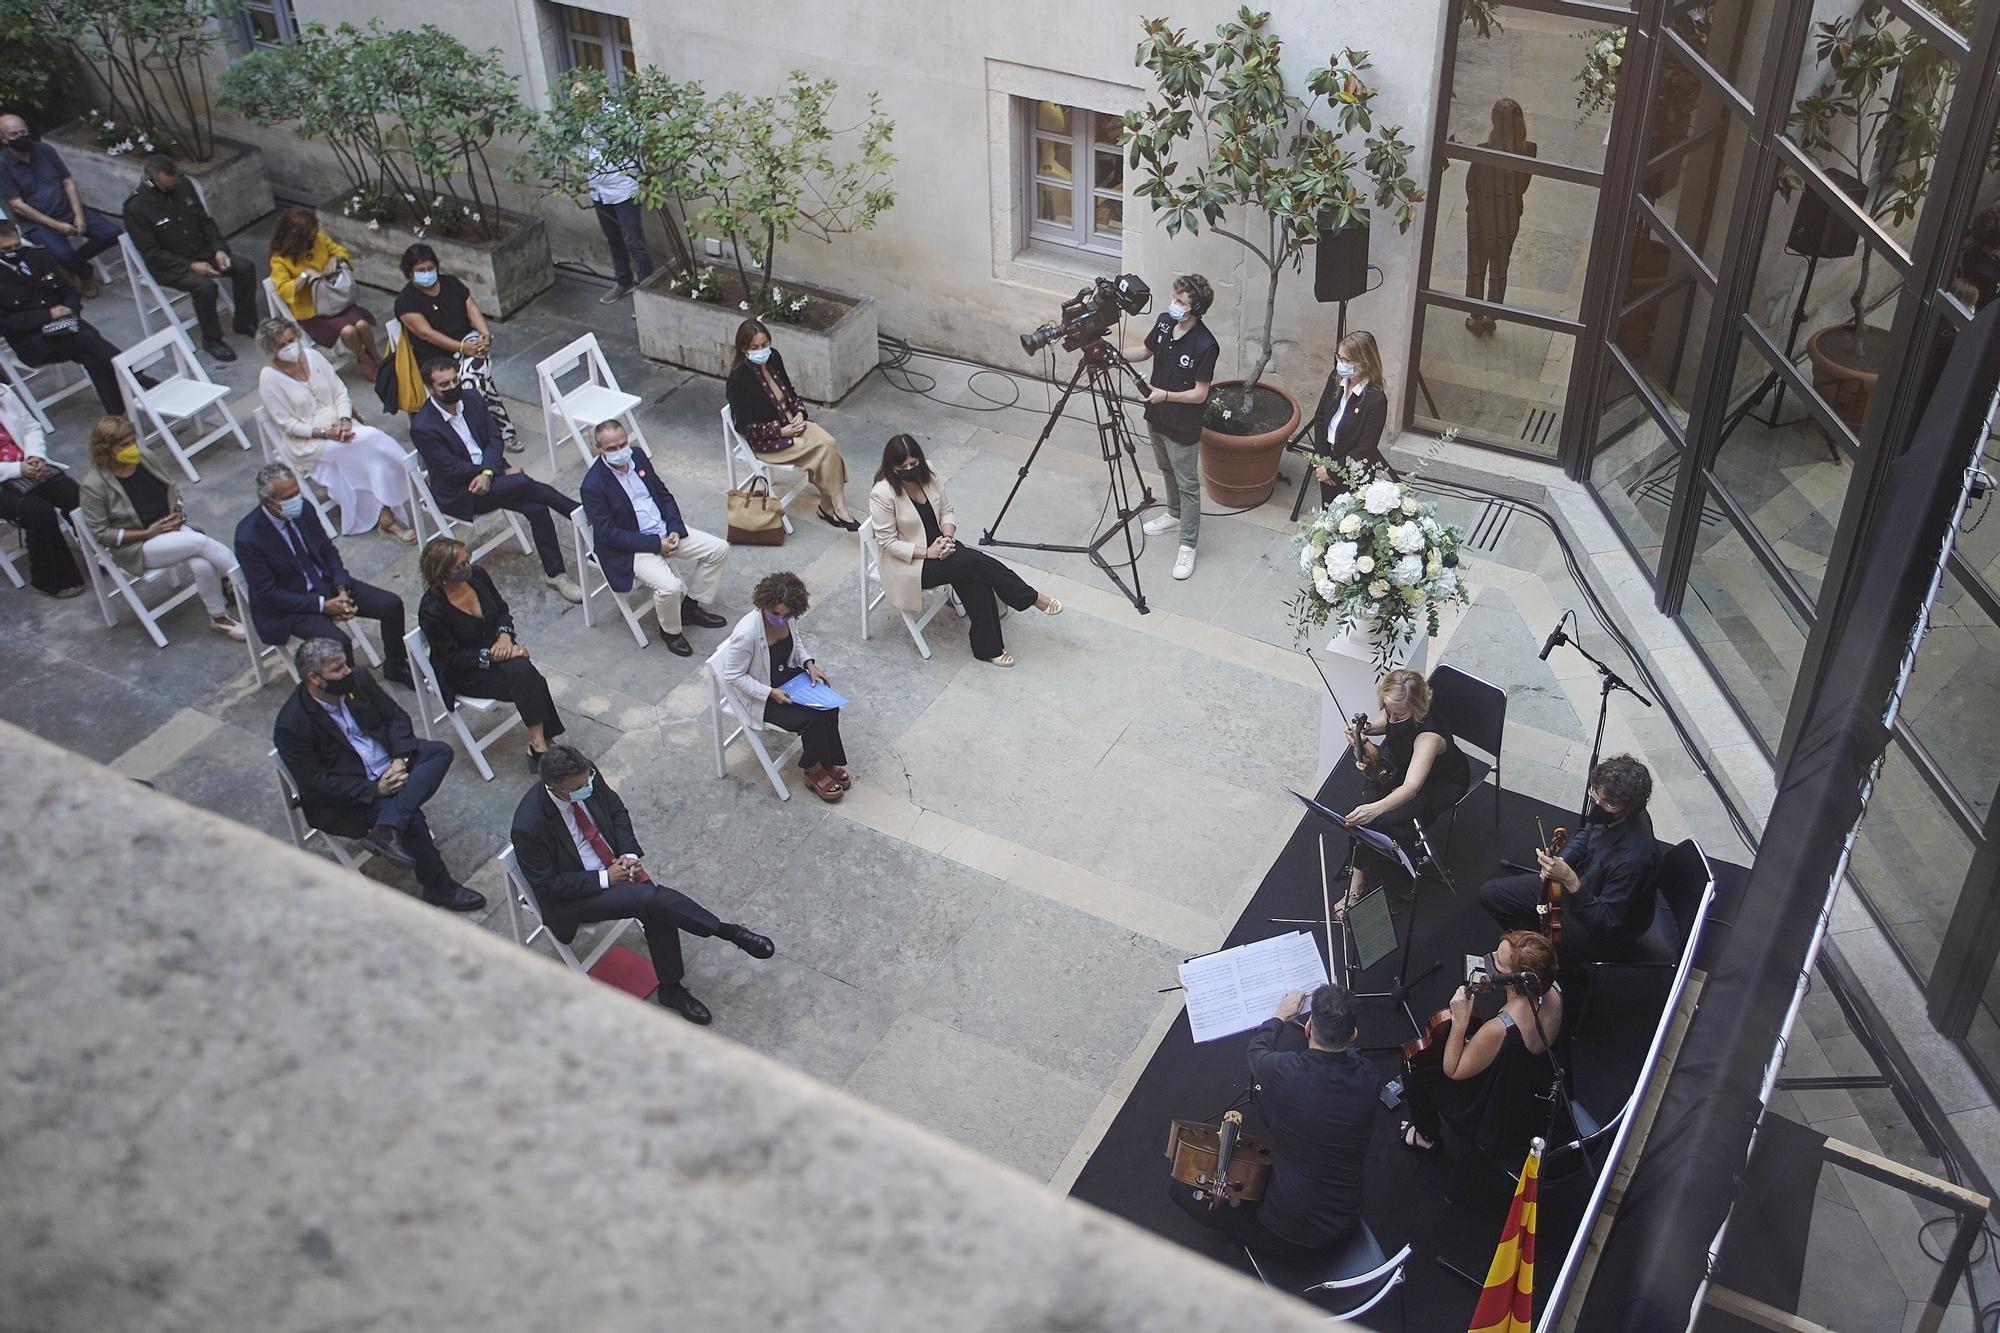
(1507, 1304)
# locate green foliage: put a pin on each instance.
(150, 57)
(36, 65)
(1228, 134)
(1483, 17)
(409, 115)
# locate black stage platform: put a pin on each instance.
(1449, 1205)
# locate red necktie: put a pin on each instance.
(588, 827)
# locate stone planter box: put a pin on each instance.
(823, 363)
(233, 186)
(503, 275)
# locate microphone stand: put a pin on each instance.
(1607, 681)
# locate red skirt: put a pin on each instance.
(326, 329)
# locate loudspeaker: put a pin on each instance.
(1340, 261)
(1816, 229)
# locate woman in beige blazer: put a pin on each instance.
(133, 510)
(915, 530)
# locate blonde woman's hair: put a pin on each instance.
(439, 558)
(107, 437)
(1405, 689)
(1359, 347)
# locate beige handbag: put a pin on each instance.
(755, 516)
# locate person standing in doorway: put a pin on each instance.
(1493, 198)
(1183, 353)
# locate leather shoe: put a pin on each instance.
(677, 999)
(677, 644)
(455, 897)
(384, 842)
(749, 941)
(218, 349)
(692, 614)
(400, 673)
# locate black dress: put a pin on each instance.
(462, 655)
(817, 728)
(1450, 774)
(1500, 1110)
(978, 579)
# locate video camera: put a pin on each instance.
(1092, 314)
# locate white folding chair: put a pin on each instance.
(573, 413)
(272, 441)
(431, 709)
(872, 593)
(739, 457)
(10, 559)
(348, 854)
(186, 395)
(726, 707)
(110, 583)
(425, 512)
(521, 894)
(590, 574)
(156, 303)
(259, 650)
(21, 376)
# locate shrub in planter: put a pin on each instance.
(150, 60)
(37, 66)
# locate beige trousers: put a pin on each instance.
(819, 455)
(694, 571)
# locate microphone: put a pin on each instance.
(1556, 636)
(1528, 983)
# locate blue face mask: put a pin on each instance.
(758, 355)
(1344, 369)
(581, 793)
(293, 507)
(425, 277)
(1177, 312)
(620, 457)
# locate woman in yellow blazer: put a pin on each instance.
(301, 257)
(915, 530)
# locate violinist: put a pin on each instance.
(1419, 773)
(1608, 873)
(1492, 1080)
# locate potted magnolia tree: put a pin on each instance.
(1230, 146)
(758, 173)
(147, 62)
(408, 116)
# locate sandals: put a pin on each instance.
(826, 787)
(1054, 608)
(849, 524)
(1406, 1134)
(389, 527)
(1004, 660)
(841, 776)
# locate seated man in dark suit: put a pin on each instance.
(299, 586)
(573, 840)
(33, 295)
(469, 473)
(1610, 872)
(639, 534)
(362, 773)
(184, 250)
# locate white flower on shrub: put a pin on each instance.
(1381, 496)
(1407, 572)
(1366, 564)
(1407, 538)
(1325, 587)
(1350, 525)
(373, 225)
(1410, 506)
(1379, 589)
(742, 305)
(1446, 585)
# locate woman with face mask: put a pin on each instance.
(771, 418)
(764, 654)
(1353, 410)
(474, 647)
(916, 533)
(438, 311)
(132, 506)
(1420, 773)
(360, 467)
(306, 265)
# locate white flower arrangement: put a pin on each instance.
(1377, 554)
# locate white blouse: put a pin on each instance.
(298, 409)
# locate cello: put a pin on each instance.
(1221, 1161)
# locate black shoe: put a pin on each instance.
(851, 524)
(749, 941)
(677, 999)
(677, 644)
(400, 673)
(145, 382)
(242, 332)
(387, 844)
(218, 349)
(534, 760)
(455, 897)
(692, 614)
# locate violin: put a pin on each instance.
(1368, 756)
(1428, 1047)
(1220, 1160)
(1550, 909)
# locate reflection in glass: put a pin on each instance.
(1563, 80)
(1949, 702)
(1633, 473)
(1744, 626)
(1507, 237)
(1053, 117)
(1052, 159)
(1729, 34)
(1052, 204)
(1665, 337)
(1694, 188)
(1910, 859)
(1108, 216)
(1505, 387)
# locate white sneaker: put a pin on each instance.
(1160, 523)
(1184, 562)
(565, 587)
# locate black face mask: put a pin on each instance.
(21, 144)
(450, 396)
(1597, 814)
(345, 685)
(463, 574)
(913, 471)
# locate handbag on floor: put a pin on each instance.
(755, 516)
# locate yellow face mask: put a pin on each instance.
(128, 456)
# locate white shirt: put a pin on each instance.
(608, 185)
(459, 424)
(374, 758)
(584, 851)
(643, 508)
(1353, 392)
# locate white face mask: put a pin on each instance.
(1177, 312)
(1345, 369)
(757, 356)
(290, 353)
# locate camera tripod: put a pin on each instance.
(1097, 370)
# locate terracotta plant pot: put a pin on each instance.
(1847, 389)
(1240, 470)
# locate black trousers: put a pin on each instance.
(38, 512)
(1243, 1225)
(1511, 901)
(87, 348)
(1401, 825)
(1487, 257)
(819, 728)
(982, 583)
(532, 500)
(661, 912)
(370, 603)
(242, 279)
(518, 681)
(1431, 1097)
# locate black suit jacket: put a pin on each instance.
(449, 467)
(171, 229)
(335, 792)
(547, 854)
(29, 289)
(278, 589)
(1360, 436)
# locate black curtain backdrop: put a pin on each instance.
(1693, 1164)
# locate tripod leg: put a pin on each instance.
(1048, 429)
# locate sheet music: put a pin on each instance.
(1237, 989)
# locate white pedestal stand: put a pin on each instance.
(1349, 663)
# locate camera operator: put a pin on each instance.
(1183, 353)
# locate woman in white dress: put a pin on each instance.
(360, 467)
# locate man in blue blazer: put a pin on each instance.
(639, 533)
(469, 473)
(299, 587)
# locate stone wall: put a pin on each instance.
(241, 1088)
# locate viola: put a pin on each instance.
(1368, 756)
(1552, 892)
(1428, 1046)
